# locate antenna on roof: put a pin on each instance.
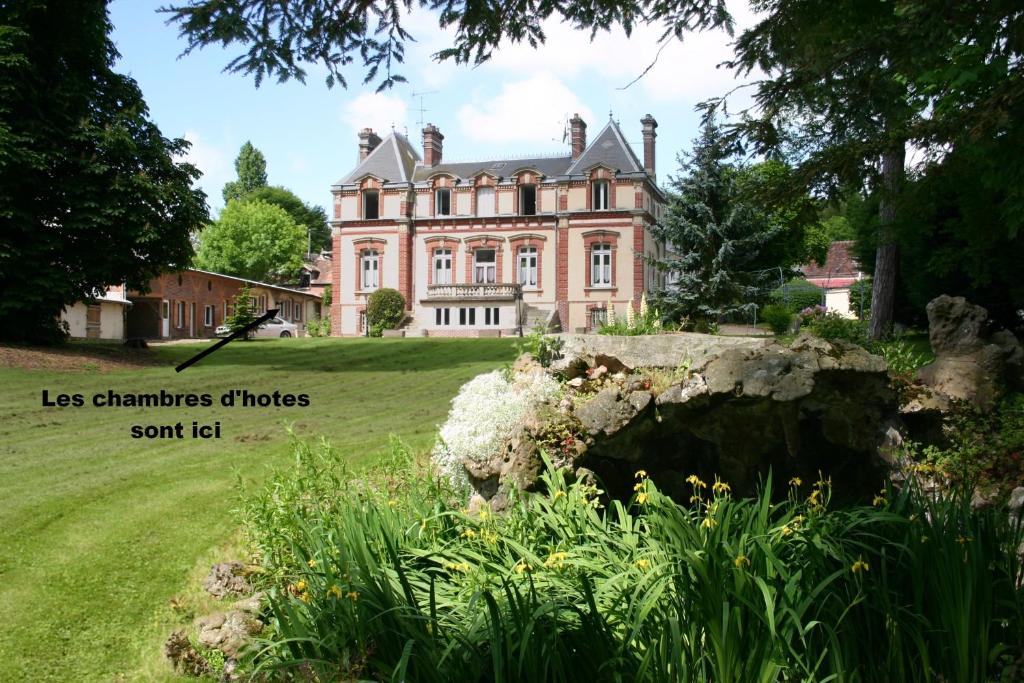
(566, 131)
(423, 111)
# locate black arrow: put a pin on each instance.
(234, 335)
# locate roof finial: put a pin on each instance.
(609, 114)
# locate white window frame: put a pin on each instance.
(438, 209)
(443, 275)
(208, 315)
(600, 195)
(369, 264)
(601, 265)
(481, 269)
(485, 201)
(527, 262)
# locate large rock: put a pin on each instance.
(716, 406)
(972, 363)
(228, 632)
(226, 579)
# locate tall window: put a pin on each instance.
(484, 266)
(443, 202)
(208, 316)
(442, 266)
(485, 201)
(600, 195)
(181, 315)
(528, 200)
(601, 265)
(527, 266)
(371, 204)
(371, 269)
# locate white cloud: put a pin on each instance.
(215, 163)
(378, 111)
(530, 110)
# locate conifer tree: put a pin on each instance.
(242, 313)
(251, 167)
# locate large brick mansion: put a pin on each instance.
(487, 247)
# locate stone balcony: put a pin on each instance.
(499, 291)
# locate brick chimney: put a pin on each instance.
(578, 135)
(432, 140)
(649, 125)
(368, 141)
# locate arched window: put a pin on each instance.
(601, 265)
(370, 269)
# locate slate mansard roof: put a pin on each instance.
(394, 160)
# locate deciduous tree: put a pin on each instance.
(312, 218)
(254, 240)
(91, 193)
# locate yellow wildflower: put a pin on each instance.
(305, 596)
(643, 564)
(490, 537)
(334, 592)
(695, 482)
(787, 530)
(352, 595)
(556, 560)
(815, 497)
(721, 487)
(641, 474)
(300, 586)
(795, 482)
(638, 486)
(469, 533)
(924, 539)
(312, 564)
(741, 560)
(642, 498)
(521, 567)
(860, 566)
(559, 494)
(878, 501)
(963, 539)
(484, 512)
(392, 503)
(708, 523)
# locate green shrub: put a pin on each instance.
(319, 328)
(385, 308)
(778, 318)
(860, 298)
(835, 327)
(543, 347)
(798, 294)
(382, 577)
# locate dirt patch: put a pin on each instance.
(75, 357)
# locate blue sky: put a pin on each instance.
(515, 105)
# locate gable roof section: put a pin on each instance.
(609, 149)
(502, 168)
(393, 161)
(840, 263)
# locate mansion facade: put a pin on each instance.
(493, 247)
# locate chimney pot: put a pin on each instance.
(432, 145)
(578, 133)
(649, 126)
(368, 141)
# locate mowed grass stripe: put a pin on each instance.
(98, 531)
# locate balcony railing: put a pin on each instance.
(492, 292)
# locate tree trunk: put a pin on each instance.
(883, 290)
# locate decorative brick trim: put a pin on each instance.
(404, 267)
(369, 183)
(336, 283)
(562, 274)
(638, 261)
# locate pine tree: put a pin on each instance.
(242, 313)
(251, 167)
(718, 240)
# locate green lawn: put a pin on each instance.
(98, 531)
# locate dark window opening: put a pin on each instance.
(443, 202)
(528, 200)
(371, 204)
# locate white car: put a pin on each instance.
(275, 327)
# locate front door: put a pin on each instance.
(165, 314)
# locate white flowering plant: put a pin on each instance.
(483, 416)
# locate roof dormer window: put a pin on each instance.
(371, 204)
(443, 202)
(527, 200)
(599, 195)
